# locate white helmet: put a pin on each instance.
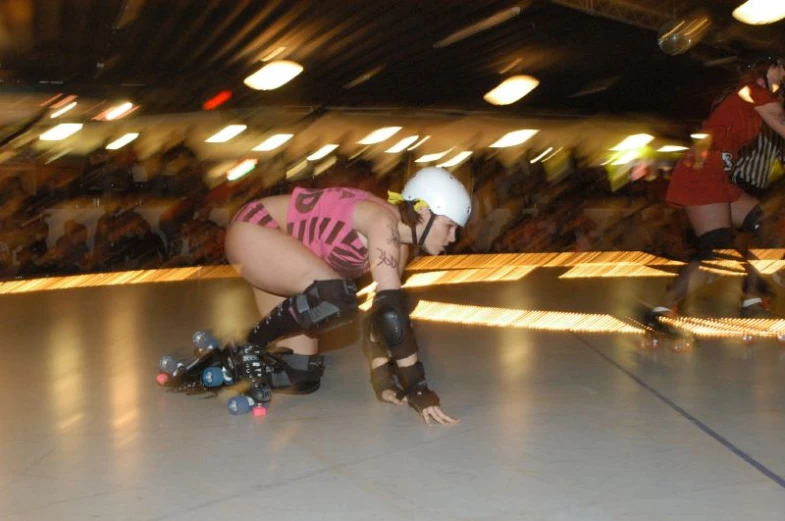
(444, 194)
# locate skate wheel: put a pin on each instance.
(683, 345)
(212, 377)
(204, 340)
(167, 364)
(238, 405)
(650, 341)
(259, 410)
(162, 378)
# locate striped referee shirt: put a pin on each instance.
(754, 165)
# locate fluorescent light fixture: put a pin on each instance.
(457, 160)
(427, 158)
(625, 158)
(272, 142)
(420, 142)
(511, 90)
(759, 12)
(482, 25)
(60, 132)
(121, 142)
(362, 78)
(553, 155)
(273, 75)
(401, 145)
(545, 153)
(324, 165)
(63, 110)
(515, 138)
(671, 148)
(242, 168)
(226, 134)
(633, 142)
(699, 136)
(326, 149)
(119, 111)
(296, 169)
(379, 135)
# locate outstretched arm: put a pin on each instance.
(390, 330)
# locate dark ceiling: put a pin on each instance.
(172, 55)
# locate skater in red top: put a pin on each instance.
(300, 253)
(701, 183)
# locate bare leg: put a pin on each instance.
(277, 266)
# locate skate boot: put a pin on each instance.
(758, 307)
(246, 364)
(660, 332)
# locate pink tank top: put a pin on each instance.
(322, 220)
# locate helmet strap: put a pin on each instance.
(414, 241)
(425, 231)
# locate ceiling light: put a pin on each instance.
(420, 142)
(633, 142)
(60, 132)
(625, 158)
(273, 142)
(121, 142)
(362, 78)
(326, 149)
(379, 135)
(226, 134)
(119, 111)
(553, 155)
(401, 145)
(759, 12)
(63, 110)
(511, 90)
(457, 160)
(515, 138)
(545, 153)
(427, 158)
(273, 75)
(671, 148)
(699, 136)
(242, 168)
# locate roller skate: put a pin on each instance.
(660, 328)
(195, 374)
(760, 315)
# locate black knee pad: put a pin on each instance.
(753, 221)
(390, 324)
(718, 239)
(325, 304)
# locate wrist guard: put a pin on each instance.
(415, 387)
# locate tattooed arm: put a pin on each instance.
(384, 251)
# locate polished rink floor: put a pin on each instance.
(554, 425)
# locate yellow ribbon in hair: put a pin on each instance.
(396, 198)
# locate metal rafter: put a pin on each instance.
(631, 13)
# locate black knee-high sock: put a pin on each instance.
(279, 323)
